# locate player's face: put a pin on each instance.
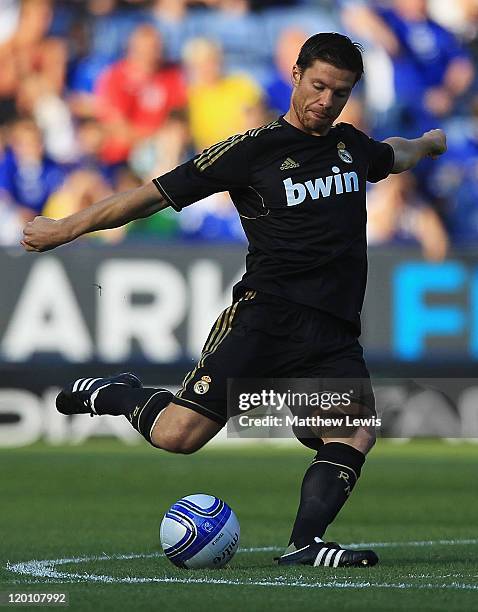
(319, 95)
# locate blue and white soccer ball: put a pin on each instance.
(199, 531)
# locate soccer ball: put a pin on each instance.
(199, 531)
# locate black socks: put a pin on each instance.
(326, 486)
(140, 406)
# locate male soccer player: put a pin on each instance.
(298, 184)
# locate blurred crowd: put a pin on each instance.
(98, 96)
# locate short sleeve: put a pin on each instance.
(381, 159)
(222, 167)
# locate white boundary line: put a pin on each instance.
(47, 569)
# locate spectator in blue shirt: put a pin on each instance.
(431, 69)
(27, 176)
(98, 37)
(454, 182)
(279, 86)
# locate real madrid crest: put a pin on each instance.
(344, 155)
(202, 386)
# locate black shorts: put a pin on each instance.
(263, 336)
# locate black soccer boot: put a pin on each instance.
(79, 397)
(328, 554)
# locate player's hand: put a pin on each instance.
(42, 234)
(435, 141)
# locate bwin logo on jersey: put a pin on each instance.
(336, 183)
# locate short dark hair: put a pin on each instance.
(333, 48)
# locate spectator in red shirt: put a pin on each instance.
(136, 94)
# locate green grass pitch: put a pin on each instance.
(89, 517)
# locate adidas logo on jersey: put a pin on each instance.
(288, 164)
(335, 184)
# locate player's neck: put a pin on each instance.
(292, 118)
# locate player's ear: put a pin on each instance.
(296, 75)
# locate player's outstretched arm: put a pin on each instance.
(409, 152)
(43, 234)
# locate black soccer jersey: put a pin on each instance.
(301, 200)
